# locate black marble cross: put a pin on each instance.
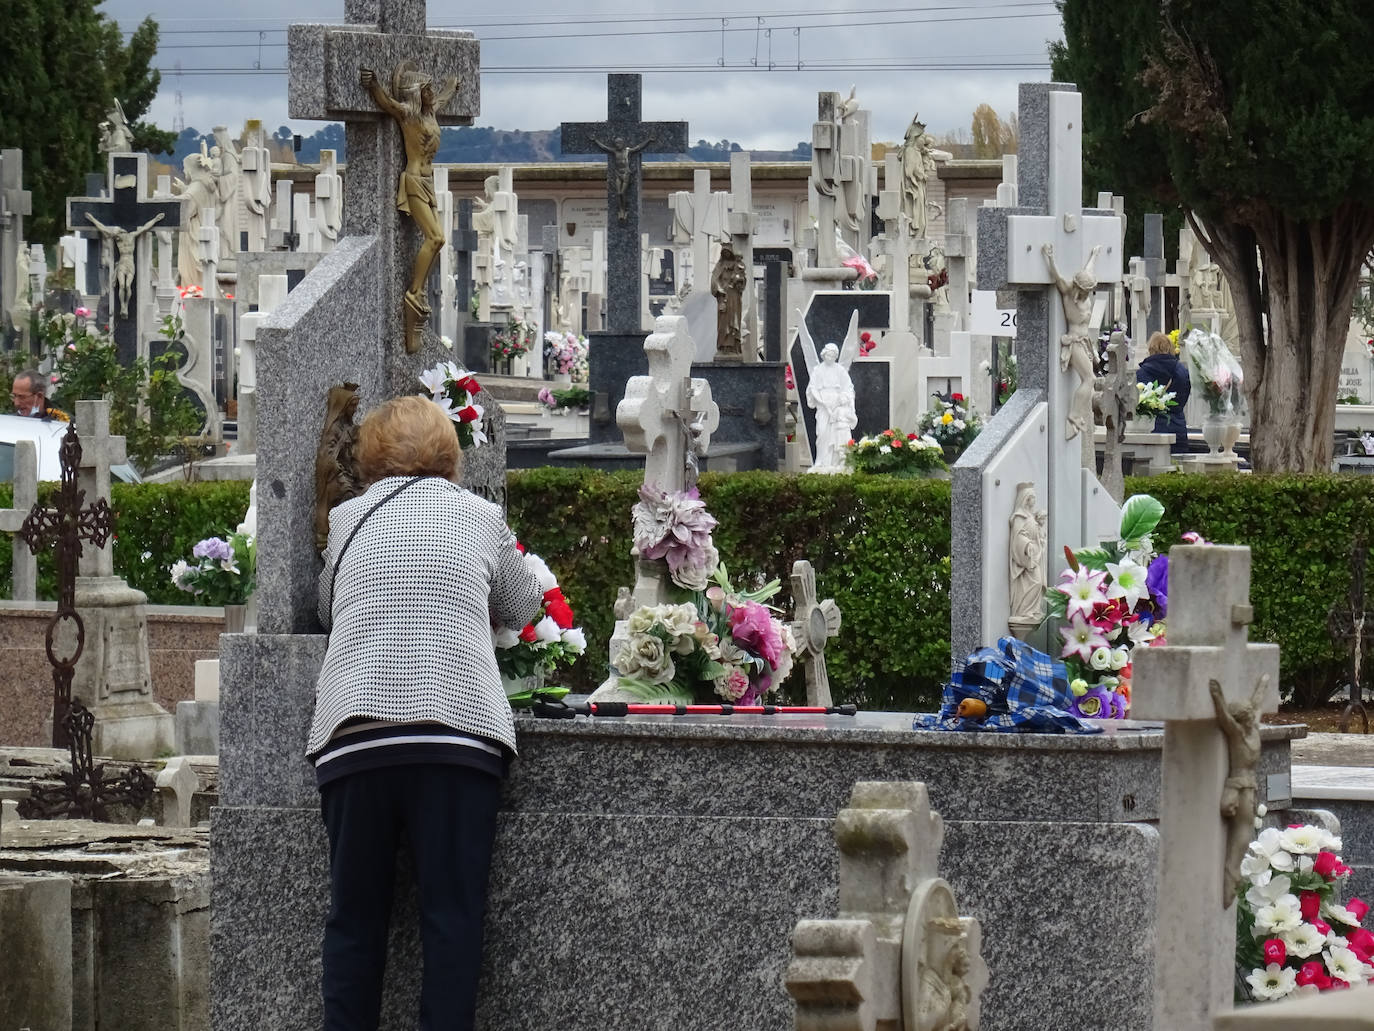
(624, 139)
(125, 222)
(464, 247)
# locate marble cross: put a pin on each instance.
(1209, 685)
(255, 186)
(329, 201)
(698, 218)
(1119, 398)
(741, 222)
(1155, 269)
(127, 216)
(99, 451)
(624, 139)
(815, 623)
(1137, 285)
(16, 203)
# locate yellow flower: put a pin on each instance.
(947, 418)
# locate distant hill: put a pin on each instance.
(470, 145)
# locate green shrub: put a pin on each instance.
(157, 523)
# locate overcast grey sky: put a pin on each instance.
(544, 61)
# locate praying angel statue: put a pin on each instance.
(831, 393)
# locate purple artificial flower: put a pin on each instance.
(1096, 704)
(752, 628)
(677, 528)
(1157, 583)
(213, 547)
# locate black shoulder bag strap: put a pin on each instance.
(333, 576)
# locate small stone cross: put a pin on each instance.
(1118, 401)
(648, 415)
(1209, 686)
(624, 139)
(814, 625)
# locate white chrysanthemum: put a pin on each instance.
(547, 631)
(1283, 915)
(1343, 964)
(505, 637)
(1272, 982)
(1269, 847)
(1266, 890)
(1306, 840)
(1303, 941)
(574, 639)
(541, 571)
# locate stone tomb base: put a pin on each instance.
(649, 872)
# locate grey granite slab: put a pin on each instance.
(632, 921)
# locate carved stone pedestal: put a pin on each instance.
(113, 677)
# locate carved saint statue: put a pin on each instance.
(1077, 344)
(1240, 723)
(918, 168)
(115, 135)
(125, 243)
(336, 468)
(201, 192)
(413, 101)
(227, 162)
(618, 154)
(830, 392)
(727, 286)
(1026, 548)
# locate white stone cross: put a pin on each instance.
(1209, 792)
(698, 218)
(207, 243)
(815, 623)
(255, 186)
(741, 221)
(99, 451)
(648, 414)
(329, 201)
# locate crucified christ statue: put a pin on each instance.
(618, 153)
(1076, 345)
(122, 268)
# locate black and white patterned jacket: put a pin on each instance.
(416, 591)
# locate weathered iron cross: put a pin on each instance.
(64, 529)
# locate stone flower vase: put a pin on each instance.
(234, 618)
(1221, 430)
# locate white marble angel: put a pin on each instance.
(830, 392)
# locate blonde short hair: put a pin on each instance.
(408, 436)
(1160, 344)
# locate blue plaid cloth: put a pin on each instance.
(1025, 690)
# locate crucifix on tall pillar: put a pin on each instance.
(390, 147)
(124, 222)
(624, 139)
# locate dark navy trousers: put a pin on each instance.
(447, 814)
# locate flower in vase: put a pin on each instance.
(1083, 588)
(1128, 582)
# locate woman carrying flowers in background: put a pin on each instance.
(1162, 366)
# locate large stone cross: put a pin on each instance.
(1156, 270)
(1209, 686)
(1010, 254)
(324, 66)
(624, 139)
(99, 451)
(128, 218)
(698, 218)
(16, 203)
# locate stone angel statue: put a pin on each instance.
(115, 135)
(830, 392)
(413, 100)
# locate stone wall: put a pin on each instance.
(177, 637)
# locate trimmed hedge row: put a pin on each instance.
(880, 547)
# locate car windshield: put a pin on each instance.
(6, 463)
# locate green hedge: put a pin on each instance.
(157, 524)
(880, 547)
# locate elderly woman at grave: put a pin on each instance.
(1162, 366)
(412, 733)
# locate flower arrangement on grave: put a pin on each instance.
(224, 571)
(1367, 442)
(455, 391)
(512, 340)
(547, 641)
(563, 400)
(1154, 400)
(937, 279)
(715, 641)
(1109, 601)
(1173, 338)
(895, 453)
(1216, 370)
(952, 422)
(866, 343)
(1292, 935)
(1006, 368)
(191, 292)
(566, 354)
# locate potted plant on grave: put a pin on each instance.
(565, 356)
(224, 573)
(894, 453)
(952, 422)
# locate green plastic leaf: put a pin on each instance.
(1056, 604)
(643, 691)
(1094, 558)
(525, 699)
(1139, 516)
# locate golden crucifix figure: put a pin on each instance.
(412, 101)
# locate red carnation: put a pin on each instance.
(957, 398)
(560, 612)
(519, 547)
(897, 442)
(470, 384)
(528, 635)
(1326, 864)
(1311, 904)
(468, 414)
(1359, 907)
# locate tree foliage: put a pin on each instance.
(992, 136)
(1254, 117)
(61, 66)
